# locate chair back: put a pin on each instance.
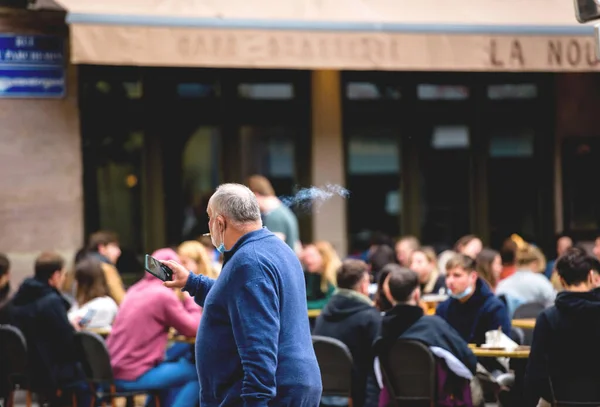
(409, 372)
(528, 310)
(13, 356)
(335, 362)
(575, 391)
(95, 358)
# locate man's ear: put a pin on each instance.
(474, 276)
(417, 295)
(562, 282)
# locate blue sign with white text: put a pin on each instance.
(32, 66)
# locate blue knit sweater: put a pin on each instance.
(253, 346)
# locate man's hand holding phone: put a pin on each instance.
(180, 274)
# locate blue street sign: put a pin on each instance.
(32, 82)
(32, 66)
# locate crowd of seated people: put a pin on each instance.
(58, 301)
(368, 301)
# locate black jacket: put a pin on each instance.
(355, 322)
(565, 343)
(408, 322)
(40, 312)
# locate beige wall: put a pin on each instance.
(329, 222)
(40, 164)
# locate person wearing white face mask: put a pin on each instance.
(253, 347)
(472, 308)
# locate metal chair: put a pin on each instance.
(335, 362)
(409, 373)
(98, 370)
(528, 310)
(13, 359)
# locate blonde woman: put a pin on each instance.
(423, 261)
(528, 284)
(321, 263)
(194, 257)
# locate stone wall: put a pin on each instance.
(41, 203)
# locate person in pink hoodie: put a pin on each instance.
(138, 340)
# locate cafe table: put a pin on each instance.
(313, 313)
(527, 323)
(183, 339)
(522, 352)
(104, 332)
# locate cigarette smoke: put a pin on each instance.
(311, 198)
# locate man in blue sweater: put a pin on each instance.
(253, 346)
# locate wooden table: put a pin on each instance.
(183, 339)
(528, 323)
(313, 313)
(519, 353)
(104, 332)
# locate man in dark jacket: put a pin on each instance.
(350, 317)
(40, 312)
(472, 308)
(566, 335)
(406, 320)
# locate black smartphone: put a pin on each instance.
(157, 269)
(87, 318)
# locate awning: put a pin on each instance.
(452, 35)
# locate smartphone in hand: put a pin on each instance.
(87, 318)
(157, 269)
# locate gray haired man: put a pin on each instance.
(253, 346)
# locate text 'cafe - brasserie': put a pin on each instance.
(505, 52)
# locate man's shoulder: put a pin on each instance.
(443, 306)
(270, 254)
(432, 321)
(492, 303)
(549, 314)
(281, 214)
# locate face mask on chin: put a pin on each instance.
(220, 247)
(460, 296)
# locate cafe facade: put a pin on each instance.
(439, 121)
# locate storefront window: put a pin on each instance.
(266, 91)
(512, 91)
(372, 91)
(373, 179)
(442, 92)
(270, 151)
(200, 177)
(512, 183)
(445, 160)
(113, 142)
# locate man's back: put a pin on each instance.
(351, 318)
(254, 340)
(40, 312)
(282, 220)
(528, 287)
(565, 340)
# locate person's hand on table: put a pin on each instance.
(180, 274)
